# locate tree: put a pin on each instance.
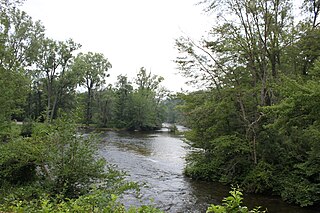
(146, 81)
(172, 113)
(105, 107)
(244, 52)
(92, 68)
(253, 56)
(145, 106)
(295, 121)
(307, 44)
(18, 43)
(53, 69)
(123, 90)
(140, 108)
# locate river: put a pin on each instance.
(157, 160)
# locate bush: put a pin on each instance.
(95, 201)
(18, 161)
(59, 170)
(27, 128)
(226, 159)
(73, 166)
(232, 204)
(60, 160)
(260, 179)
(8, 131)
(299, 190)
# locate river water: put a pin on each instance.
(157, 160)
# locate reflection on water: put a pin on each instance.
(157, 159)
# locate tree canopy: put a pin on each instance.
(255, 123)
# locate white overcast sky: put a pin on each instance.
(130, 33)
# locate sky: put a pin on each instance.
(130, 33)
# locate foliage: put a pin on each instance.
(8, 131)
(19, 159)
(95, 201)
(71, 159)
(91, 68)
(126, 107)
(53, 69)
(297, 120)
(261, 178)
(226, 161)
(18, 39)
(256, 123)
(27, 127)
(145, 106)
(172, 112)
(58, 170)
(60, 160)
(232, 204)
(104, 107)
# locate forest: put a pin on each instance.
(255, 121)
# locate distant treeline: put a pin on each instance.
(40, 78)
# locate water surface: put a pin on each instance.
(157, 159)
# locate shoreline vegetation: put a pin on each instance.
(255, 122)
(64, 177)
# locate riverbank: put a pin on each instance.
(158, 159)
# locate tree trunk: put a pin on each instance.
(49, 100)
(88, 111)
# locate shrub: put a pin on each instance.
(260, 178)
(27, 128)
(18, 161)
(60, 161)
(232, 204)
(95, 201)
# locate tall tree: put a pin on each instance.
(92, 68)
(256, 121)
(308, 45)
(244, 53)
(145, 106)
(140, 108)
(53, 65)
(105, 104)
(18, 43)
(124, 90)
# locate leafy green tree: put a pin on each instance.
(18, 42)
(224, 153)
(56, 159)
(53, 67)
(172, 113)
(243, 52)
(19, 159)
(123, 90)
(146, 81)
(295, 120)
(251, 59)
(145, 106)
(71, 160)
(105, 107)
(143, 111)
(140, 108)
(92, 68)
(35, 105)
